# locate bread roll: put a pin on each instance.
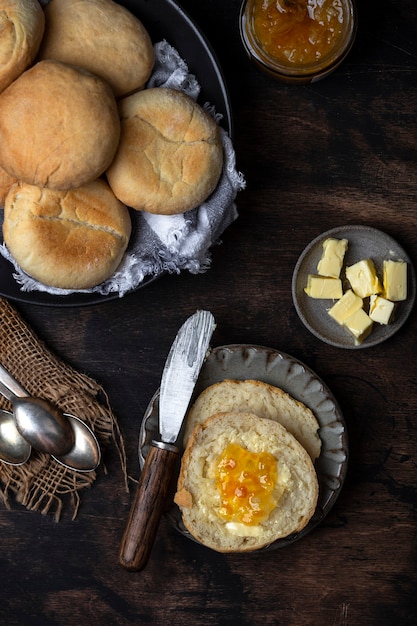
(59, 126)
(6, 182)
(101, 36)
(267, 401)
(274, 496)
(22, 25)
(170, 155)
(68, 239)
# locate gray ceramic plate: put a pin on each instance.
(364, 242)
(242, 362)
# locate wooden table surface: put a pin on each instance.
(339, 152)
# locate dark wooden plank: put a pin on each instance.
(342, 151)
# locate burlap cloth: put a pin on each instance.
(42, 484)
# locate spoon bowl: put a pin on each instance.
(85, 454)
(14, 449)
(43, 425)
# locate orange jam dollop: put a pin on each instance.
(299, 32)
(246, 482)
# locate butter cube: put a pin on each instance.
(363, 278)
(331, 261)
(395, 280)
(359, 325)
(380, 309)
(348, 304)
(323, 287)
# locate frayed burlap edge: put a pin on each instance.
(42, 484)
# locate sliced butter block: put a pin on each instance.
(380, 309)
(363, 278)
(323, 287)
(331, 261)
(348, 304)
(359, 325)
(395, 280)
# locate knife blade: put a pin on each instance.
(179, 377)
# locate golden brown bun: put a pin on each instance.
(6, 181)
(68, 239)
(267, 401)
(59, 126)
(170, 155)
(101, 36)
(22, 25)
(295, 491)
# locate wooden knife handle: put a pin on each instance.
(147, 507)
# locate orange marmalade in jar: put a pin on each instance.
(298, 40)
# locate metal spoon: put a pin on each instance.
(38, 421)
(14, 449)
(85, 455)
(65, 437)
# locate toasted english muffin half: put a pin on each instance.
(261, 399)
(271, 494)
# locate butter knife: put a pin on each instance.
(179, 377)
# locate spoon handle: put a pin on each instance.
(9, 387)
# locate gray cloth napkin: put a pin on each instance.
(162, 243)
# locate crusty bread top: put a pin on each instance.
(295, 491)
(59, 126)
(22, 25)
(68, 239)
(103, 37)
(267, 401)
(170, 155)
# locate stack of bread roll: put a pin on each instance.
(83, 142)
(247, 475)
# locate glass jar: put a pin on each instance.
(298, 40)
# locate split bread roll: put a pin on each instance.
(59, 126)
(170, 155)
(101, 36)
(22, 25)
(276, 497)
(67, 239)
(267, 401)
